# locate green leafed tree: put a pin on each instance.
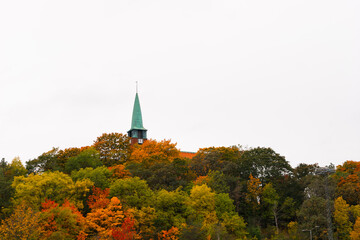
(6, 191)
(132, 192)
(16, 168)
(100, 176)
(263, 163)
(224, 205)
(270, 204)
(45, 162)
(313, 212)
(170, 208)
(87, 158)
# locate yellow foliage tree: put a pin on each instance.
(201, 206)
(254, 191)
(144, 221)
(341, 217)
(16, 168)
(292, 230)
(22, 224)
(35, 189)
(202, 200)
(355, 234)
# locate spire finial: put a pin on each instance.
(137, 90)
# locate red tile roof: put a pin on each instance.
(187, 154)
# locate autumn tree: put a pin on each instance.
(252, 207)
(171, 234)
(254, 190)
(235, 225)
(292, 228)
(99, 203)
(119, 172)
(201, 206)
(126, 231)
(22, 224)
(61, 222)
(98, 198)
(145, 218)
(347, 177)
(16, 168)
(341, 218)
(35, 189)
(355, 234)
(113, 148)
(102, 221)
(202, 200)
(152, 152)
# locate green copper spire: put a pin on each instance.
(137, 122)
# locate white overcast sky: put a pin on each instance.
(280, 74)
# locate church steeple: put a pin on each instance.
(137, 133)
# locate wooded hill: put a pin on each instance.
(114, 190)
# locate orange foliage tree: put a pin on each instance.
(152, 152)
(348, 181)
(254, 191)
(113, 148)
(171, 234)
(200, 180)
(102, 221)
(99, 198)
(355, 234)
(126, 231)
(63, 221)
(119, 172)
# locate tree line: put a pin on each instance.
(114, 190)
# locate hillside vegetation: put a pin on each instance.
(114, 190)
